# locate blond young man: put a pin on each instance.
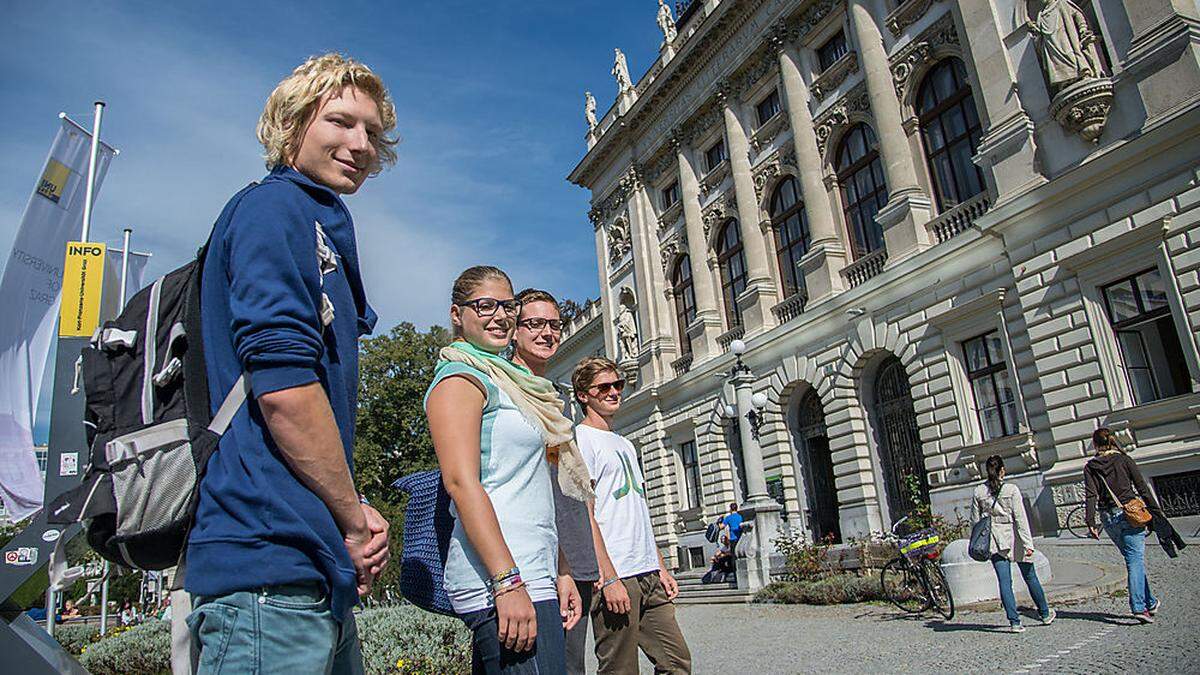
(282, 544)
(634, 607)
(536, 341)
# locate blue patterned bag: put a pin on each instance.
(427, 528)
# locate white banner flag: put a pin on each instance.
(110, 298)
(31, 290)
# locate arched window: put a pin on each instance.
(685, 301)
(732, 262)
(950, 130)
(792, 238)
(864, 189)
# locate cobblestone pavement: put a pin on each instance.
(1095, 635)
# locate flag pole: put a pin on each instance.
(104, 601)
(91, 174)
(124, 268)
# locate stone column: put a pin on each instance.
(606, 302)
(708, 313)
(654, 334)
(761, 290)
(754, 551)
(827, 256)
(908, 209)
(1008, 147)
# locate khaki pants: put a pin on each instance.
(649, 625)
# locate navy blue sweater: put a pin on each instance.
(256, 523)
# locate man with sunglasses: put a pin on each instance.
(634, 608)
(539, 333)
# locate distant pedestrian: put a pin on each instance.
(733, 524)
(1112, 479)
(1012, 541)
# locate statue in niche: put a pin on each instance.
(627, 332)
(666, 22)
(589, 109)
(618, 240)
(620, 70)
(1066, 43)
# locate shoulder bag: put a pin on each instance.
(1135, 509)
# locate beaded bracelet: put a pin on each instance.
(507, 588)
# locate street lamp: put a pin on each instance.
(755, 416)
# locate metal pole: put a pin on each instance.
(104, 600)
(124, 268)
(91, 175)
(50, 610)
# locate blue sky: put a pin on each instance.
(489, 98)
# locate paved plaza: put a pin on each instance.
(1093, 635)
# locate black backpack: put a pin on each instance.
(149, 424)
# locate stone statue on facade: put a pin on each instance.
(627, 333)
(589, 110)
(1075, 75)
(666, 23)
(620, 71)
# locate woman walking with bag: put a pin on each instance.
(495, 426)
(1113, 484)
(1011, 541)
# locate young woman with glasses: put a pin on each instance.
(494, 426)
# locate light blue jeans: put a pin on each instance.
(279, 629)
(1131, 541)
(1003, 567)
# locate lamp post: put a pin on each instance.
(756, 546)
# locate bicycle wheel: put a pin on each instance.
(939, 588)
(902, 585)
(1076, 524)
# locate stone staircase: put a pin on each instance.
(693, 592)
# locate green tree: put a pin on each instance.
(392, 434)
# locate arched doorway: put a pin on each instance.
(812, 446)
(903, 463)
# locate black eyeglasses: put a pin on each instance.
(603, 388)
(486, 307)
(537, 323)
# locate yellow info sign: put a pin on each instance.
(83, 279)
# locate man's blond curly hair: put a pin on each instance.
(292, 105)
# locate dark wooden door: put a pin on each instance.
(818, 466)
(903, 463)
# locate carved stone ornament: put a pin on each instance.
(655, 169)
(765, 135)
(923, 49)
(671, 250)
(1083, 107)
(611, 204)
(618, 241)
(666, 23)
(834, 75)
(855, 101)
(721, 208)
(771, 168)
(906, 15)
(813, 17)
(589, 110)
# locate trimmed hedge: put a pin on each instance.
(835, 589)
(400, 639)
(74, 637)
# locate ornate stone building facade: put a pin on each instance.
(943, 229)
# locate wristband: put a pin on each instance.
(609, 582)
(507, 589)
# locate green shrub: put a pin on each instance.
(145, 648)
(406, 639)
(834, 589)
(74, 637)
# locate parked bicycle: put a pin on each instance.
(1076, 521)
(913, 580)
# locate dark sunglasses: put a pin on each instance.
(486, 307)
(537, 323)
(603, 388)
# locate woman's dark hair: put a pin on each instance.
(994, 465)
(1103, 439)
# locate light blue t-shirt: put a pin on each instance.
(516, 476)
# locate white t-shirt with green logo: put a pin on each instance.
(621, 510)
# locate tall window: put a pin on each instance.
(732, 262)
(1141, 319)
(950, 130)
(714, 155)
(864, 189)
(670, 196)
(792, 238)
(768, 107)
(685, 301)
(995, 402)
(833, 49)
(693, 490)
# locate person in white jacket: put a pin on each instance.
(1012, 541)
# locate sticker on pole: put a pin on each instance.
(68, 464)
(83, 277)
(25, 555)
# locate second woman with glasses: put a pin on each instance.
(494, 426)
